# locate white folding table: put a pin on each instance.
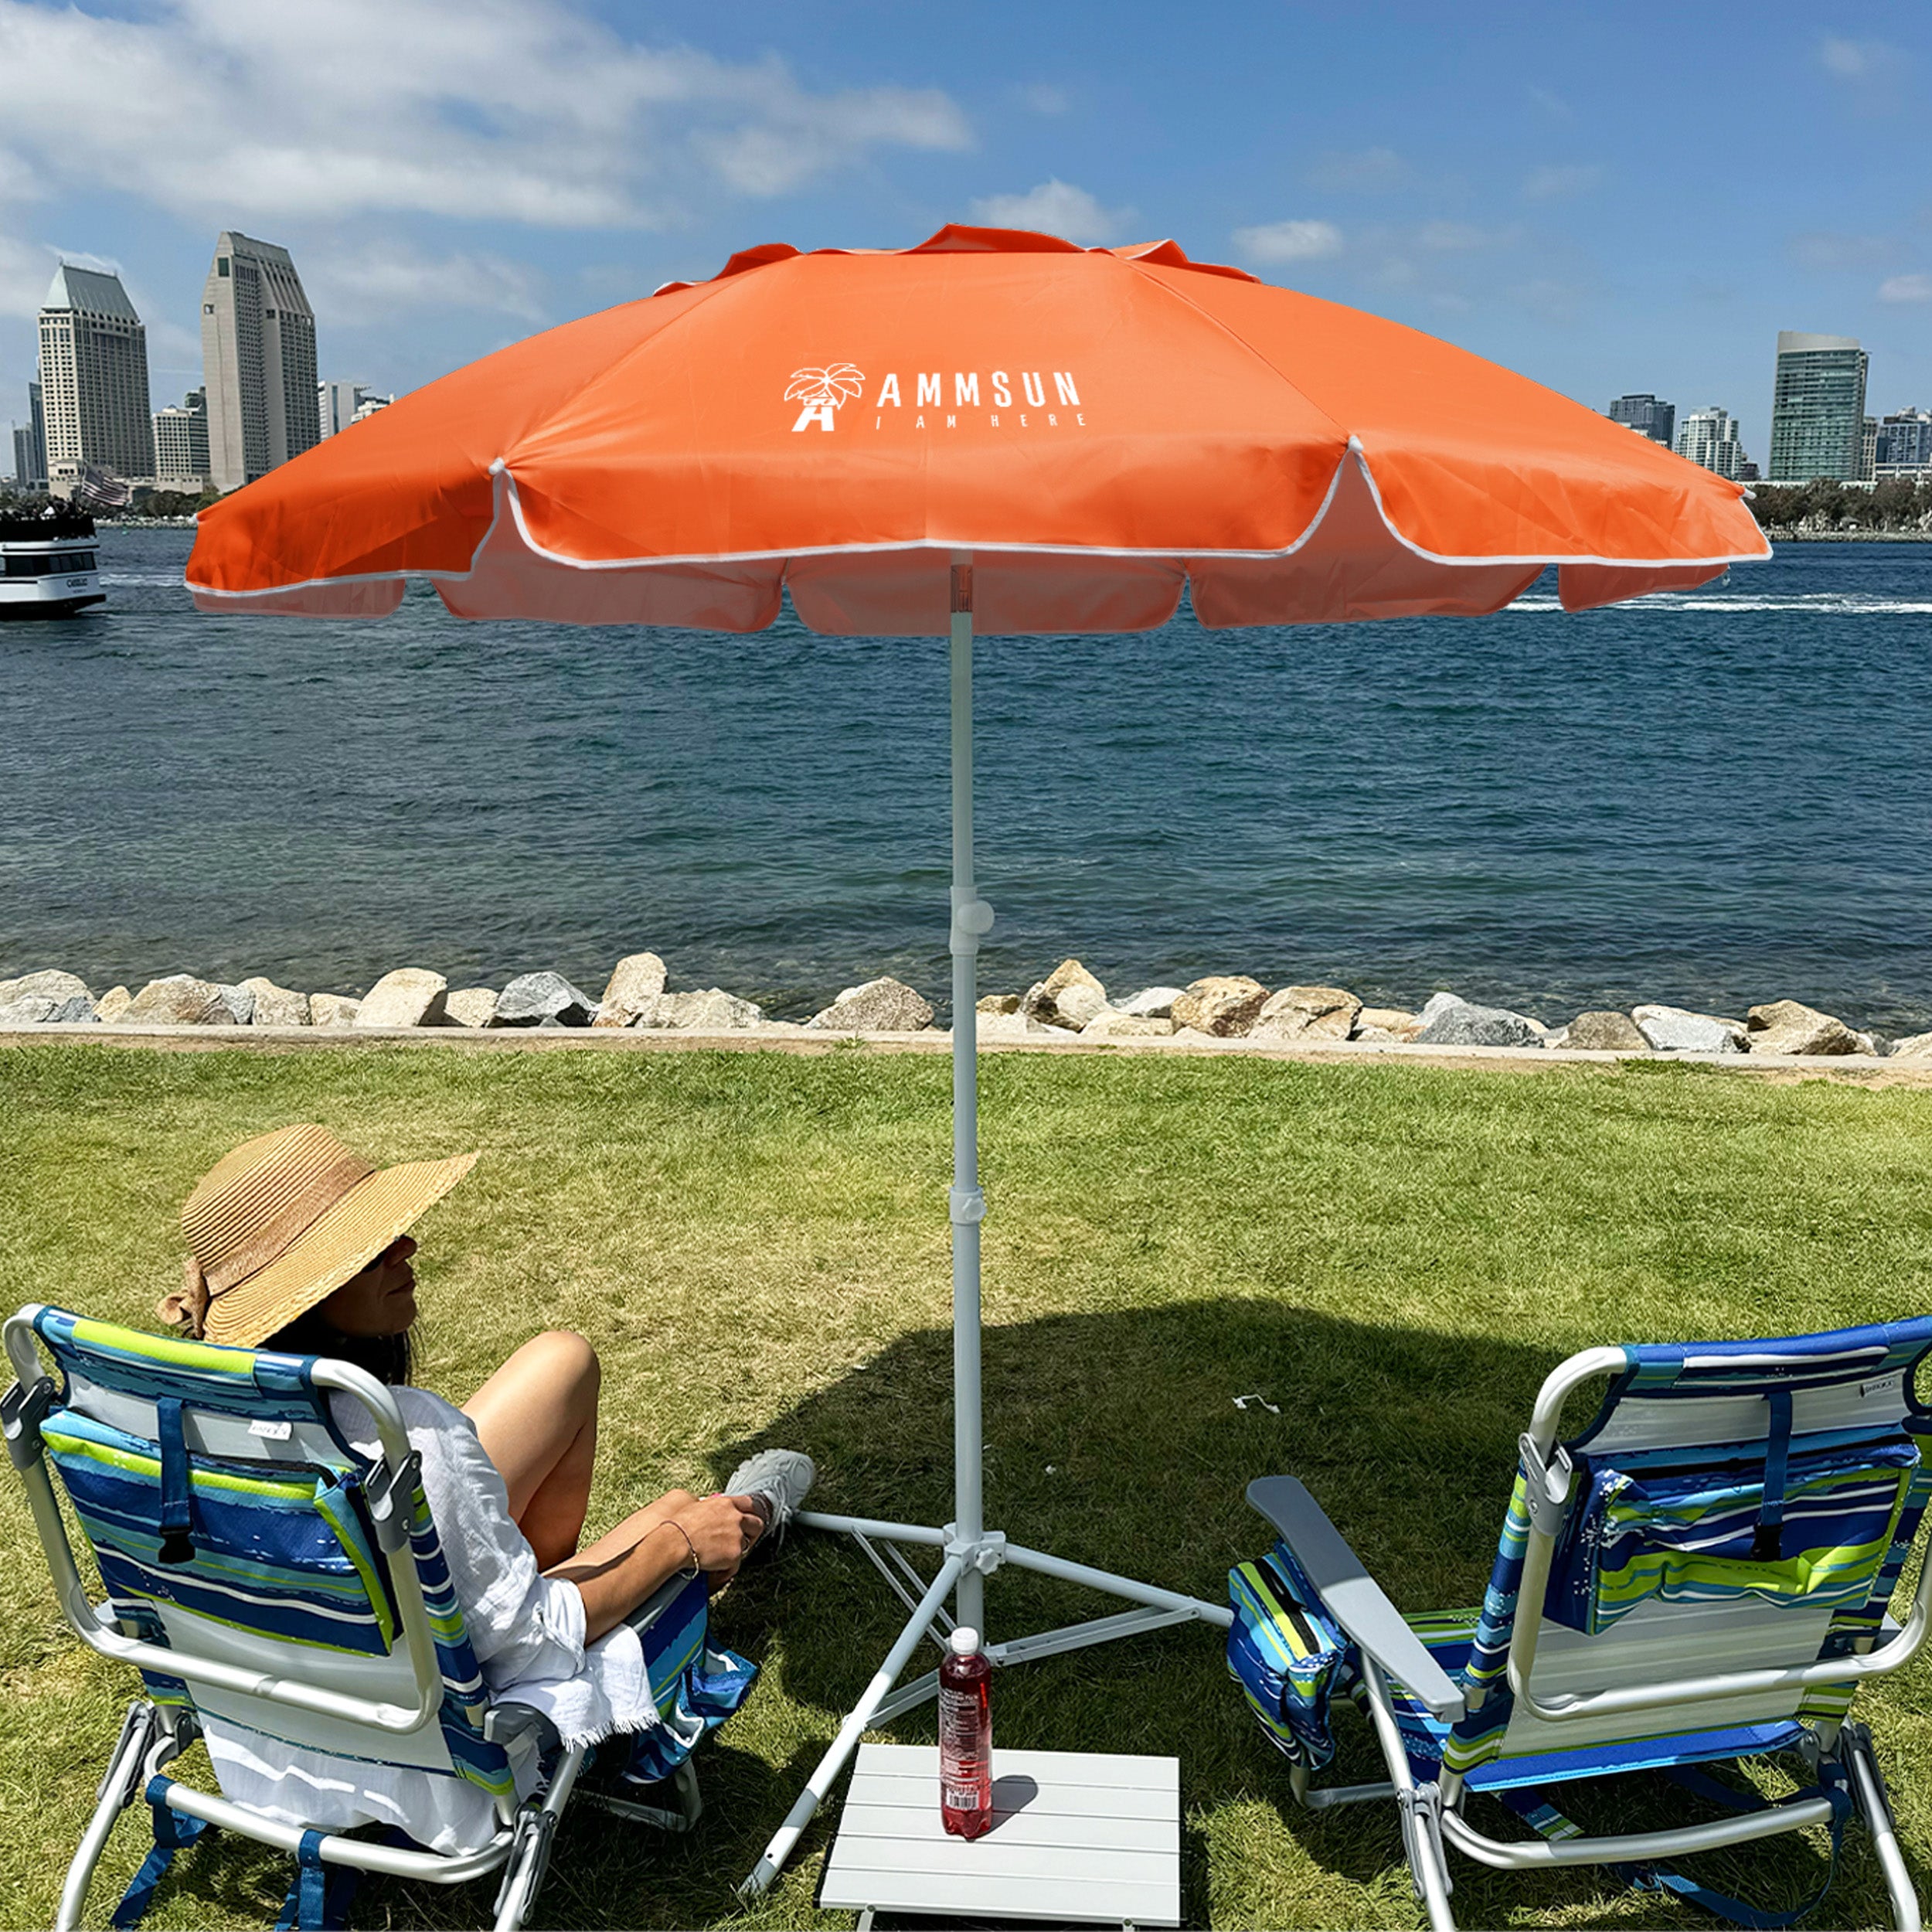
(1078, 1838)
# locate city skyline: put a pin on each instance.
(1495, 181)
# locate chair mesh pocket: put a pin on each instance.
(1289, 1659)
(1711, 1537)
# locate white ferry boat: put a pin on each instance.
(48, 566)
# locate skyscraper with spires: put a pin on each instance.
(258, 360)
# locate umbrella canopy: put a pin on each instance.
(1099, 428)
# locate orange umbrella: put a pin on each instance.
(994, 430)
(1097, 427)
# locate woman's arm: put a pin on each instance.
(623, 1568)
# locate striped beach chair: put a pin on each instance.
(1704, 1574)
(256, 1569)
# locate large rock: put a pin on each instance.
(332, 1010)
(1152, 1002)
(542, 999)
(1438, 1003)
(1114, 1023)
(1386, 1023)
(1785, 1027)
(472, 1006)
(635, 981)
(1675, 1029)
(1014, 1025)
(276, 1006)
(1465, 1024)
(1306, 1012)
(712, 1011)
(51, 996)
(115, 1003)
(879, 1006)
(1914, 1046)
(240, 1003)
(410, 996)
(1601, 1031)
(1069, 997)
(997, 1003)
(181, 1000)
(1222, 1005)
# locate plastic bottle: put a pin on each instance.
(965, 1737)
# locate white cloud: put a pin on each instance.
(1370, 171)
(1823, 249)
(1276, 242)
(1461, 237)
(1558, 183)
(25, 273)
(1552, 104)
(1055, 207)
(372, 282)
(1906, 288)
(1854, 59)
(1043, 99)
(525, 111)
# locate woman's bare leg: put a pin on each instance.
(537, 1418)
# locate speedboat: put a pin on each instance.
(48, 566)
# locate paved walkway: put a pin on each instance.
(1861, 1069)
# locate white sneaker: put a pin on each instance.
(780, 1479)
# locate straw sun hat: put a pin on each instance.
(283, 1221)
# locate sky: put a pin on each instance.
(1608, 197)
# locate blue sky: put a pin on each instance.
(1609, 197)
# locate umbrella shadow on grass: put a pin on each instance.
(1113, 1439)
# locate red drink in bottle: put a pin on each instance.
(965, 1737)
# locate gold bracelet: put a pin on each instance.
(697, 1568)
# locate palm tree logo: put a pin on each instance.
(821, 392)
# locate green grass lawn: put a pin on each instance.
(757, 1244)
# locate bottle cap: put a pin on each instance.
(964, 1641)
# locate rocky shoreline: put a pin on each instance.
(1069, 1003)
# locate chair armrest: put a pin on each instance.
(1352, 1596)
(660, 1600)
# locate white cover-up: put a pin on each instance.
(527, 1630)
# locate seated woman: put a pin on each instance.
(296, 1244)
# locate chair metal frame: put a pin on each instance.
(1433, 1812)
(152, 1735)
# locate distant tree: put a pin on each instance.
(1891, 502)
(1775, 505)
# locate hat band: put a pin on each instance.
(274, 1227)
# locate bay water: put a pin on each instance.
(1711, 799)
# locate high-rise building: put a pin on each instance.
(1817, 408)
(1708, 438)
(258, 361)
(30, 444)
(1647, 416)
(340, 404)
(1868, 448)
(181, 444)
(1904, 444)
(93, 376)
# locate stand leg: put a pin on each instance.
(787, 1834)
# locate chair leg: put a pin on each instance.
(119, 1788)
(530, 1849)
(1428, 1864)
(1875, 1807)
(689, 1808)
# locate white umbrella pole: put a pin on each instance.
(972, 918)
(970, 1552)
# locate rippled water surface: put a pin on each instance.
(1712, 799)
